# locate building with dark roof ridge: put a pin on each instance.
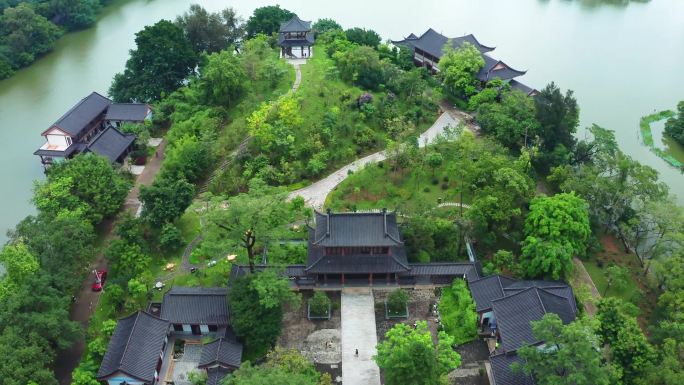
(514, 314)
(222, 353)
(516, 85)
(295, 38)
(134, 354)
(196, 310)
(428, 49)
(503, 374)
(87, 127)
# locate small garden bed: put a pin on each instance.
(396, 305)
(319, 307)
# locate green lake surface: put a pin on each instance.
(623, 59)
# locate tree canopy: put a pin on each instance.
(162, 60)
(267, 20)
(408, 356)
(211, 32)
(363, 36)
(556, 230)
(458, 69)
(570, 356)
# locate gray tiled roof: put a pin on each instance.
(221, 352)
(356, 229)
(215, 375)
(111, 143)
(359, 264)
(196, 306)
(85, 111)
(504, 375)
(443, 268)
(488, 71)
(516, 85)
(487, 289)
(433, 42)
(135, 347)
(515, 312)
(295, 25)
(131, 112)
(555, 287)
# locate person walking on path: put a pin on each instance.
(356, 353)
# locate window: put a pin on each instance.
(177, 327)
(68, 140)
(213, 328)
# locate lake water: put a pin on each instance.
(623, 61)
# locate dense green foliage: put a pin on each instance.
(458, 69)
(162, 60)
(363, 36)
(319, 304)
(259, 297)
(165, 200)
(558, 117)
(408, 356)
(556, 230)
(266, 20)
(397, 301)
(675, 125)
(287, 367)
(511, 121)
(570, 356)
(44, 260)
(29, 29)
(88, 185)
(457, 310)
(211, 32)
(252, 221)
(325, 25)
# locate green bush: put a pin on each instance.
(457, 310)
(170, 238)
(397, 300)
(319, 304)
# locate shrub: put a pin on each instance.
(397, 300)
(171, 237)
(445, 186)
(426, 190)
(457, 310)
(435, 181)
(319, 303)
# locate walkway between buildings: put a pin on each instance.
(314, 195)
(358, 332)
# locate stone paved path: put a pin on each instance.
(358, 332)
(314, 195)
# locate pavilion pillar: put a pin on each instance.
(388, 278)
(325, 279)
(370, 279)
(342, 279)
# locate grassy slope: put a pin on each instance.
(375, 187)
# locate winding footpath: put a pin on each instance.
(315, 194)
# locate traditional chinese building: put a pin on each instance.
(364, 249)
(92, 126)
(428, 49)
(296, 38)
